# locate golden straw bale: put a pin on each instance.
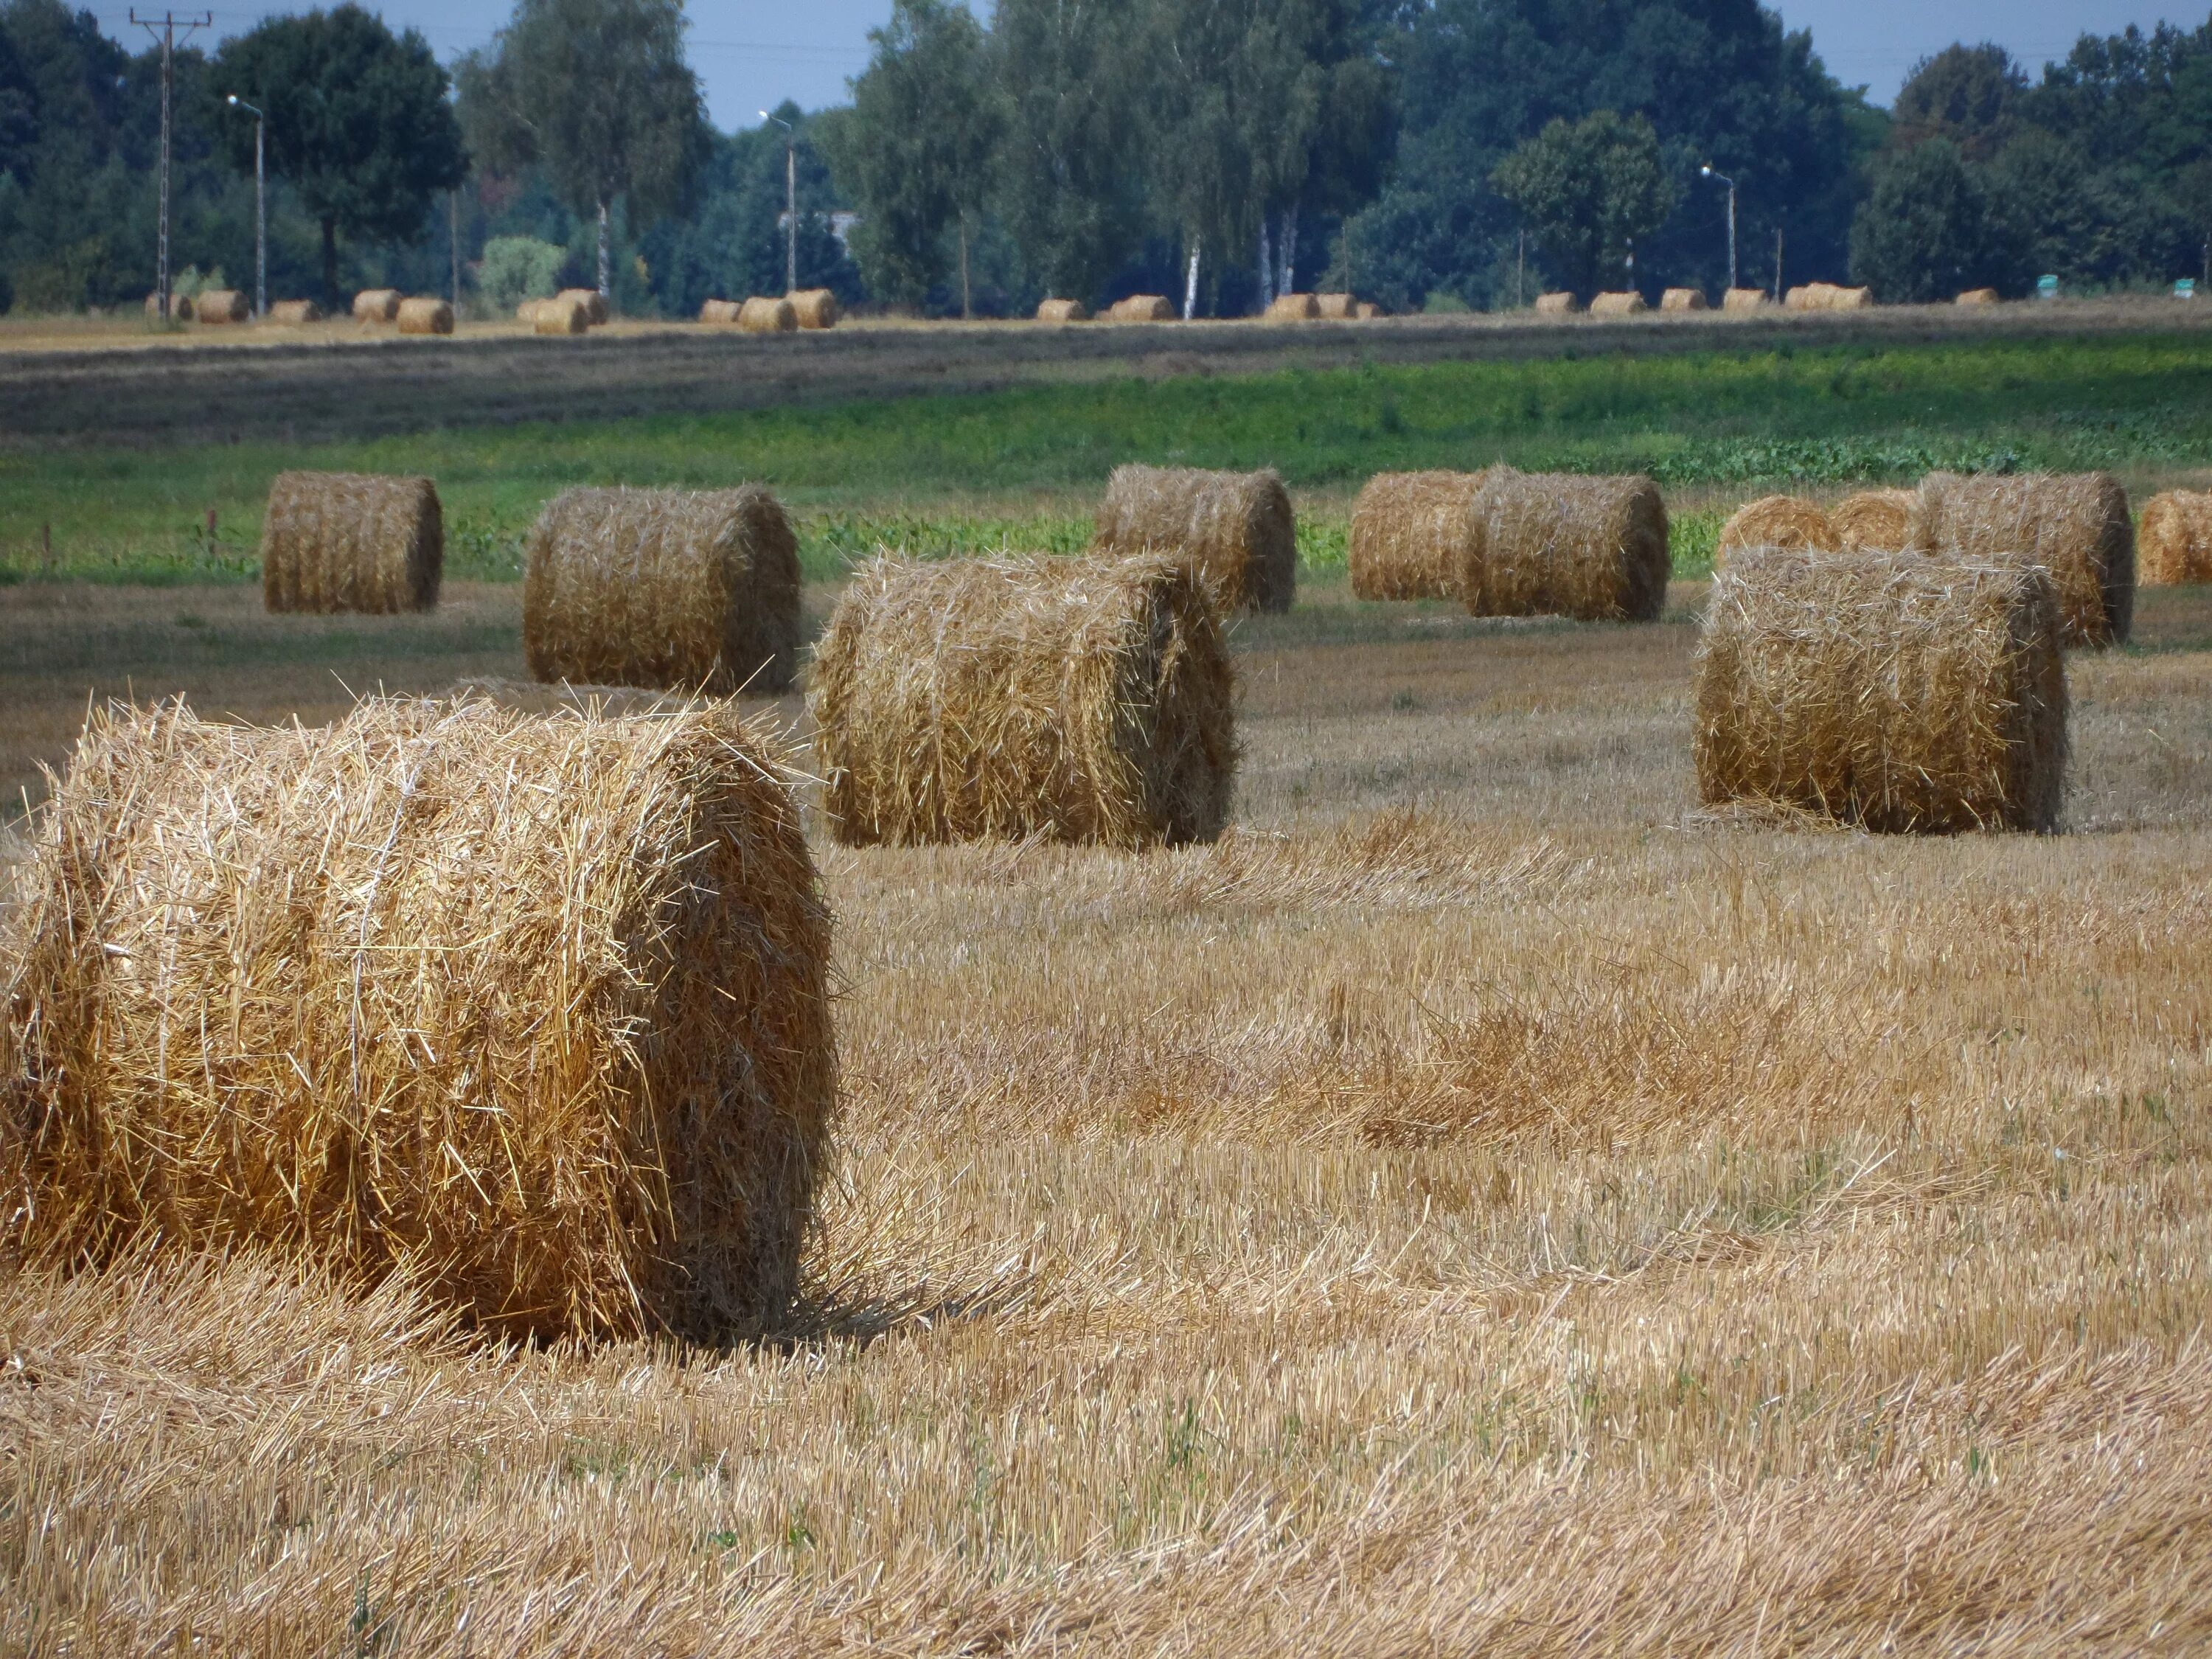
(815, 307)
(528, 310)
(1337, 307)
(1850, 299)
(1880, 521)
(1141, 308)
(1776, 522)
(1891, 690)
(1062, 310)
(1978, 296)
(719, 311)
(664, 588)
(530, 1009)
(1079, 699)
(180, 306)
(1414, 535)
(425, 316)
(760, 315)
(1292, 308)
(1557, 544)
(1682, 299)
(1807, 296)
(1561, 304)
(1617, 305)
(1745, 299)
(1236, 528)
(2076, 524)
(214, 306)
(1368, 310)
(351, 541)
(594, 301)
(560, 315)
(2173, 542)
(376, 305)
(290, 314)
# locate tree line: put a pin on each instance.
(1437, 153)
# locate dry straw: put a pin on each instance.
(1617, 305)
(815, 307)
(1236, 528)
(290, 314)
(1337, 307)
(760, 315)
(1827, 297)
(1776, 522)
(663, 588)
(560, 315)
(180, 306)
(351, 541)
(530, 1009)
(1293, 308)
(215, 305)
(1561, 304)
(2174, 541)
(1062, 310)
(1891, 690)
(720, 311)
(1141, 308)
(2074, 523)
(1414, 535)
(1745, 299)
(1080, 700)
(1978, 296)
(1682, 299)
(1880, 521)
(376, 305)
(528, 310)
(1367, 310)
(594, 301)
(425, 316)
(1557, 544)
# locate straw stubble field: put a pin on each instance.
(1481, 1202)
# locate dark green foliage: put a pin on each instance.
(1969, 95)
(1587, 190)
(1927, 231)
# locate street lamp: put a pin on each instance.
(790, 203)
(1722, 178)
(260, 210)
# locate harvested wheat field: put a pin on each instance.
(1484, 1202)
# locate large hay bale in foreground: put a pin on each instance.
(351, 542)
(1560, 304)
(292, 313)
(533, 1009)
(1081, 700)
(376, 305)
(663, 588)
(1141, 308)
(1236, 528)
(2173, 543)
(815, 307)
(1682, 299)
(1558, 544)
(1776, 522)
(424, 315)
(562, 314)
(1414, 535)
(217, 306)
(1745, 299)
(1891, 690)
(594, 301)
(1293, 308)
(1617, 305)
(2075, 524)
(762, 315)
(1062, 310)
(1880, 521)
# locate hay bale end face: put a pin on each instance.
(291, 314)
(1682, 299)
(1141, 308)
(216, 305)
(1561, 304)
(2076, 525)
(180, 306)
(594, 301)
(1617, 305)
(2173, 543)
(425, 316)
(1292, 308)
(533, 1009)
(560, 315)
(1062, 310)
(1880, 521)
(1558, 544)
(760, 315)
(376, 305)
(334, 542)
(1776, 522)
(1744, 299)
(1978, 296)
(1414, 535)
(663, 588)
(815, 307)
(1336, 308)
(721, 313)
(1894, 691)
(1079, 699)
(1236, 528)
(1367, 310)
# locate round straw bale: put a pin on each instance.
(815, 307)
(1335, 306)
(215, 305)
(527, 311)
(759, 315)
(1292, 308)
(1063, 311)
(1141, 308)
(1806, 296)
(1893, 690)
(1561, 304)
(562, 314)
(1617, 305)
(1744, 299)
(1557, 544)
(1368, 310)
(1850, 299)
(1236, 528)
(180, 306)
(1880, 521)
(1415, 534)
(1682, 299)
(351, 541)
(662, 587)
(533, 1009)
(594, 301)
(1776, 522)
(719, 311)
(2173, 543)
(2076, 525)
(293, 312)
(1978, 296)
(376, 305)
(1080, 700)
(425, 316)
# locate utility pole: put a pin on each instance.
(166, 32)
(1521, 270)
(453, 242)
(790, 202)
(1778, 265)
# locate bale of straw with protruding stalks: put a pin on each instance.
(532, 1010)
(663, 588)
(1682, 299)
(1558, 544)
(720, 311)
(560, 315)
(1062, 310)
(815, 307)
(1745, 299)
(2076, 524)
(1560, 304)
(1292, 308)
(1776, 522)
(424, 315)
(1077, 700)
(1414, 535)
(180, 306)
(1891, 690)
(1627, 304)
(1236, 528)
(594, 301)
(2173, 543)
(291, 314)
(216, 305)
(762, 315)
(1336, 308)
(1141, 308)
(1978, 296)
(1880, 521)
(376, 305)
(351, 542)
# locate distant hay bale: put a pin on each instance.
(1062, 310)
(1368, 310)
(1561, 304)
(1891, 690)
(1978, 296)
(1850, 299)
(1827, 297)
(2076, 525)
(720, 311)
(2173, 542)
(1744, 299)
(1079, 699)
(1414, 535)
(1337, 307)
(528, 310)
(533, 1010)
(762, 315)
(815, 307)
(1558, 544)
(1682, 299)
(1141, 308)
(594, 301)
(1776, 522)
(560, 315)
(1292, 308)
(425, 316)
(1880, 521)
(376, 305)
(217, 306)
(180, 306)
(291, 314)
(1236, 528)
(663, 588)
(1617, 305)
(351, 542)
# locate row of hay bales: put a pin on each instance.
(807, 309)
(1812, 296)
(216, 307)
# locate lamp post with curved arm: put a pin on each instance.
(790, 203)
(1722, 179)
(260, 210)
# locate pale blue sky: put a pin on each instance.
(754, 54)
